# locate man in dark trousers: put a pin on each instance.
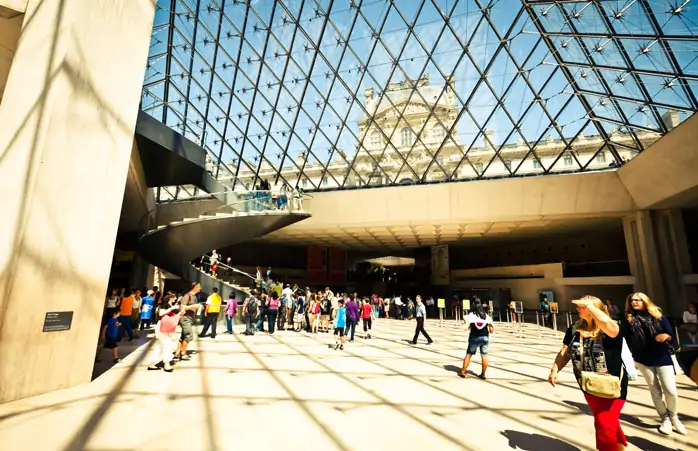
(421, 315)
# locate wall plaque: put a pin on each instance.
(55, 321)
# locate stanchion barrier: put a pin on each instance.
(499, 316)
(676, 332)
(555, 322)
(540, 334)
(568, 318)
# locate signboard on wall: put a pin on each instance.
(337, 266)
(57, 321)
(441, 303)
(316, 265)
(440, 268)
(466, 304)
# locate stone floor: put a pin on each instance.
(291, 391)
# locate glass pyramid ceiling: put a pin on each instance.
(328, 94)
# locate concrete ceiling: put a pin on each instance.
(409, 236)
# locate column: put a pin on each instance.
(658, 257)
(68, 115)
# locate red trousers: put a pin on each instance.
(607, 422)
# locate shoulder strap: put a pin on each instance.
(581, 356)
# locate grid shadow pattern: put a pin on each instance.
(329, 94)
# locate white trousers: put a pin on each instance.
(661, 380)
(163, 347)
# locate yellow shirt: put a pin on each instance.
(214, 303)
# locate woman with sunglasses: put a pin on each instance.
(595, 345)
(650, 336)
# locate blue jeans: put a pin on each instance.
(351, 325)
(478, 342)
(271, 317)
(126, 324)
(229, 323)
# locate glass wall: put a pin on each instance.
(327, 94)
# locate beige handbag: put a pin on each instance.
(599, 385)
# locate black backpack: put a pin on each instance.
(252, 305)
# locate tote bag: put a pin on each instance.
(168, 324)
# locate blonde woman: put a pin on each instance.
(601, 347)
(650, 336)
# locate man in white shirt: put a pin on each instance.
(287, 292)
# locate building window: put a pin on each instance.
(438, 132)
(507, 164)
(478, 167)
(601, 157)
(536, 164)
(375, 140)
(324, 181)
(405, 137)
(568, 160)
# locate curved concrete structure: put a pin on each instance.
(173, 246)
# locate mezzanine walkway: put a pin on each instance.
(290, 391)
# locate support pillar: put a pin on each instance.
(658, 257)
(68, 116)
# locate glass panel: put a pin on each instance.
(353, 94)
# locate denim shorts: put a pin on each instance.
(478, 342)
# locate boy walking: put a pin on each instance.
(110, 335)
(340, 322)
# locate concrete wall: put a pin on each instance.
(525, 282)
(602, 246)
(68, 116)
(9, 36)
(515, 199)
(666, 174)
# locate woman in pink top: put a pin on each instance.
(273, 303)
(230, 309)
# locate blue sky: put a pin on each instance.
(317, 124)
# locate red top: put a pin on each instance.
(366, 311)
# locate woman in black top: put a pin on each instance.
(649, 335)
(602, 347)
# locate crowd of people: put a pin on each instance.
(606, 347)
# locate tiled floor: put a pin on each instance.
(291, 391)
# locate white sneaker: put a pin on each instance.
(665, 427)
(678, 427)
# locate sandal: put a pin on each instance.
(117, 360)
(153, 368)
(168, 370)
(184, 357)
(461, 374)
(482, 376)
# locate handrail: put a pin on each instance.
(160, 204)
(262, 202)
(231, 268)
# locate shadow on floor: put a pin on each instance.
(452, 368)
(646, 445)
(104, 361)
(623, 416)
(536, 442)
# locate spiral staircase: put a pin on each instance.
(177, 233)
(177, 246)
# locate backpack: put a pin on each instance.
(316, 309)
(252, 308)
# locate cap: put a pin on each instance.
(150, 292)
